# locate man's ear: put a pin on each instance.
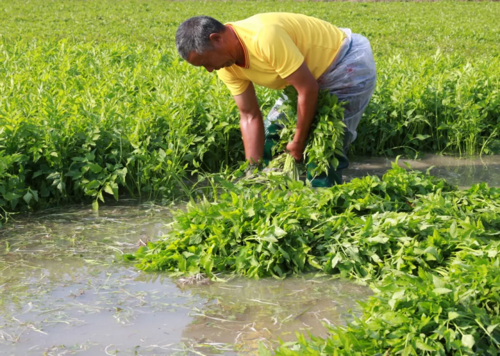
(215, 39)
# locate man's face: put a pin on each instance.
(213, 59)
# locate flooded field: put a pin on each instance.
(460, 171)
(64, 289)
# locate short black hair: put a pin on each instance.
(194, 34)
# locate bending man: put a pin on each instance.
(279, 49)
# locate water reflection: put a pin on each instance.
(244, 312)
(462, 172)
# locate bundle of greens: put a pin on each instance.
(287, 165)
(274, 226)
(325, 135)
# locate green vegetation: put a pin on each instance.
(429, 251)
(95, 102)
(270, 226)
(326, 133)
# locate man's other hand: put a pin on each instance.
(296, 149)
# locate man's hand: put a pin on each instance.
(296, 149)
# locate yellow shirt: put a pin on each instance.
(275, 46)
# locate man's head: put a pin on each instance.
(203, 41)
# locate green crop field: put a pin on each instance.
(96, 103)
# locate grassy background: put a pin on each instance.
(94, 99)
(409, 28)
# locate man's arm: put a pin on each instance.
(307, 88)
(251, 124)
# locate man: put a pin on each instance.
(279, 49)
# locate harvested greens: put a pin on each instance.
(429, 251)
(326, 132)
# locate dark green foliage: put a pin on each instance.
(95, 102)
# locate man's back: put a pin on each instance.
(276, 44)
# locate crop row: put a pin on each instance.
(80, 121)
(96, 103)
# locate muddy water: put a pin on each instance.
(64, 290)
(462, 172)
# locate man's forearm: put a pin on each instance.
(306, 108)
(252, 131)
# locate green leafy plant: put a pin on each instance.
(410, 236)
(325, 135)
(92, 86)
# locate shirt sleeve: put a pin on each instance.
(278, 49)
(235, 85)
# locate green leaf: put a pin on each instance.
(108, 189)
(284, 253)
(195, 239)
(279, 232)
(453, 229)
(422, 137)
(269, 238)
(92, 185)
(491, 328)
(442, 291)
(95, 168)
(368, 223)
(250, 212)
(27, 197)
(336, 260)
(438, 282)
(53, 176)
(468, 340)
(453, 315)
(11, 196)
(399, 294)
(423, 346)
(161, 155)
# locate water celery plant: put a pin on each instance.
(91, 109)
(325, 135)
(290, 226)
(409, 235)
